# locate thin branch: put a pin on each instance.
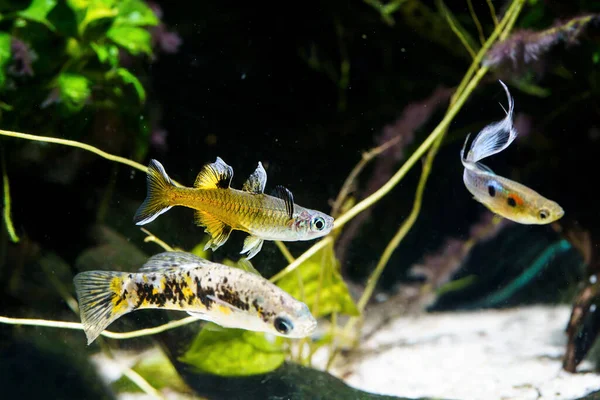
(108, 334)
(476, 20)
(79, 145)
(493, 12)
(152, 238)
(7, 217)
(366, 158)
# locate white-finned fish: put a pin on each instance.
(227, 296)
(503, 196)
(221, 209)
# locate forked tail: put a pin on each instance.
(101, 300)
(157, 200)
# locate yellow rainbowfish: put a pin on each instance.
(227, 296)
(221, 209)
(503, 196)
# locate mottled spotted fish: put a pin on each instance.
(227, 296)
(221, 209)
(503, 196)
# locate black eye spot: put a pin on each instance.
(283, 325)
(543, 214)
(318, 223)
(492, 190)
(511, 202)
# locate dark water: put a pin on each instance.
(265, 82)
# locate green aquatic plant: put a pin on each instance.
(76, 58)
(234, 352)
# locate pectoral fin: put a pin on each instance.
(252, 245)
(218, 231)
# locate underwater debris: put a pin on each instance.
(230, 297)
(584, 322)
(527, 48)
(168, 42)
(221, 209)
(23, 58)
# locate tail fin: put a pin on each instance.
(495, 137)
(156, 201)
(101, 300)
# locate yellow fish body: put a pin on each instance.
(227, 296)
(221, 209)
(503, 196)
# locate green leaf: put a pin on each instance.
(74, 90)
(5, 55)
(131, 79)
(135, 40)
(135, 13)
(332, 293)
(88, 11)
(234, 352)
(107, 53)
(199, 250)
(38, 10)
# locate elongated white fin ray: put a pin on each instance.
(493, 138)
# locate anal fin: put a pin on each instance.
(252, 245)
(219, 232)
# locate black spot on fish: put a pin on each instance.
(224, 280)
(203, 294)
(511, 202)
(491, 190)
(232, 297)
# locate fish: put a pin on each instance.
(174, 280)
(503, 196)
(221, 209)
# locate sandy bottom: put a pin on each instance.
(491, 355)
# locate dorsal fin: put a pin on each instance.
(170, 260)
(288, 198)
(216, 175)
(257, 181)
(246, 265)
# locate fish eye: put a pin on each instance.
(544, 214)
(318, 223)
(283, 325)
